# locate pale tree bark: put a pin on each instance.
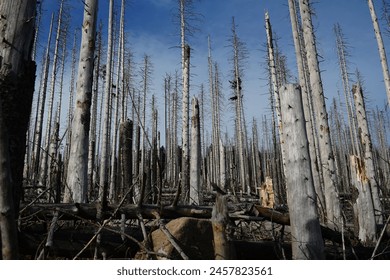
(185, 125)
(103, 178)
(196, 159)
(307, 242)
(381, 48)
(306, 100)
(17, 77)
(367, 154)
(333, 210)
(77, 178)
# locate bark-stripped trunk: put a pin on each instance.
(185, 126)
(367, 153)
(307, 242)
(103, 178)
(325, 146)
(17, 77)
(77, 177)
(195, 178)
(381, 48)
(306, 100)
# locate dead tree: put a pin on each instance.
(41, 107)
(104, 160)
(46, 148)
(77, 176)
(17, 77)
(236, 85)
(367, 153)
(307, 105)
(333, 210)
(381, 48)
(196, 147)
(307, 242)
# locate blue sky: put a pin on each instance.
(151, 30)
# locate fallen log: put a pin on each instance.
(88, 211)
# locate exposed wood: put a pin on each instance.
(333, 210)
(195, 178)
(77, 176)
(381, 48)
(219, 220)
(305, 227)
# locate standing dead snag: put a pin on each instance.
(196, 159)
(77, 177)
(381, 48)
(17, 77)
(219, 219)
(307, 240)
(332, 201)
(367, 153)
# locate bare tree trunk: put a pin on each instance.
(306, 100)
(307, 240)
(196, 159)
(77, 177)
(185, 126)
(381, 48)
(333, 210)
(365, 139)
(41, 107)
(45, 158)
(92, 146)
(103, 178)
(219, 221)
(17, 77)
(236, 86)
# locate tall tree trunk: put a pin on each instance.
(185, 126)
(77, 177)
(307, 240)
(237, 87)
(45, 158)
(306, 100)
(17, 77)
(103, 178)
(196, 159)
(41, 107)
(381, 48)
(333, 210)
(367, 153)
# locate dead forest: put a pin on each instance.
(121, 178)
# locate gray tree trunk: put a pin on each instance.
(41, 107)
(333, 210)
(104, 160)
(196, 159)
(381, 48)
(46, 148)
(367, 153)
(77, 176)
(307, 240)
(185, 172)
(306, 100)
(17, 77)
